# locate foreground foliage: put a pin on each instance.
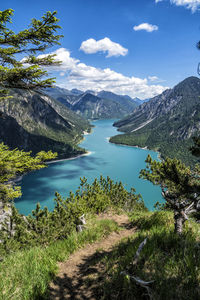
(15, 163)
(44, 226)
(170, 261)
(195, 149)
(26, 274)
(180, 187)
(26, 73)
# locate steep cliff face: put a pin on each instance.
(167, 122)
(15, 136)
(33, 121)
(147, 112)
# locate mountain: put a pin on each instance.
(139, 101)
(126, 101)
(66, 97)
(166, 122)
(33, 121)
(76, 92)
(92, 105)
(91, 92)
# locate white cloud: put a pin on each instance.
(91, 46)
(153, 78)
(81, 76)
(62, 55)
(189, 4)
(146, 26)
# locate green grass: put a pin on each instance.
(171, 261)
(26, 274)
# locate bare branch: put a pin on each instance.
(142, 283)
(189, 207)
(139, 250)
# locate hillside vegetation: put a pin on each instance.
(33, 121)
(36, 242)
(166, 123)
(169, 263)
(160, 259)
(167, 260)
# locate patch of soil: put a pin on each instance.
(80, 275)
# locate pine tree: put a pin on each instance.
(180, 186)
(15, 163)
(26, 73)
(195, 149)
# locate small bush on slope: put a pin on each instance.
(44, 226)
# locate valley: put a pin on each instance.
(155, 125)
(118, 162)
(100, 150)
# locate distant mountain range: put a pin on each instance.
(92, 105)
(33, 121)
(139, 101)
(166, 122)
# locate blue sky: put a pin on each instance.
(102, 50)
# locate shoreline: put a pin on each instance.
(19, 178)
(138, 147)
(70, 158)
(77, 156)
(74, 157)
(84, 134)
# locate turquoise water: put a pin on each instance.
(119, 162)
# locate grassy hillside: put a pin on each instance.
(44, 238)
(34, 268)
(171, 263)
(167, 260)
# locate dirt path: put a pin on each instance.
(79, 277)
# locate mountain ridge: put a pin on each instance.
(95, 105)
(40, 123)
(166, 122)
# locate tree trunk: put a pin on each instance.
(179, 220)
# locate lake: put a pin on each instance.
(121, 163)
